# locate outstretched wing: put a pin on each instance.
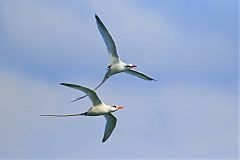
(110, 125)
(91, 93)
(111, 47)
(139, 74)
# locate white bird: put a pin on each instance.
(98, 108)
(115, 65)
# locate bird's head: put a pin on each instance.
(130, 66)
(115, 108)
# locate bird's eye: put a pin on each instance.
(114, 106)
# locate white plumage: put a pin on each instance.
(98, 108)
(115, 65)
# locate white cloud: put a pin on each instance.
(171, 121)
(148, 38)
(44, 31)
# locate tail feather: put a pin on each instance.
(64, 115)
(104, 79)
(78, 99)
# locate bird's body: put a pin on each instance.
(115, 65)
(98, 109)
(116, 68)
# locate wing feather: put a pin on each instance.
(139, 74)
(111, 47)
(91, 93)
(104, 79)
(110, 125)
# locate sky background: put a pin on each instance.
(190, 47)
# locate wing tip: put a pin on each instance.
(68, 84)
(64, 84)
(151, 79)
(96, 16)
(103, 140)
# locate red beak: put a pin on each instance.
(120, 107)
(134, 66)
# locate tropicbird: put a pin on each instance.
(98, 108)
(116, 65)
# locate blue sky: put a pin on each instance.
(190, 47)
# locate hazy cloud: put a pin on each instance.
(190, 112)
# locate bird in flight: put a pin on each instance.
(98, 108)
(115, 65)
